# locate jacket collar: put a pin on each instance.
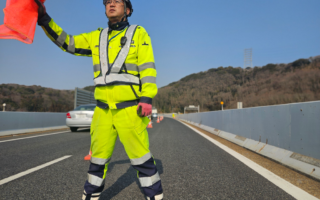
(118, 26)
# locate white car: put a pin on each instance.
(80, 117)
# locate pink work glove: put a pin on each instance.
(144, 109)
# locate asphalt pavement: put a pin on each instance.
(190, 166)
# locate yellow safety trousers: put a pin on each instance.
(107, 124)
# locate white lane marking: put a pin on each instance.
(29, 171)
(34, 136)
(24, 138)
(278, 181)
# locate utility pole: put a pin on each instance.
(4, 107)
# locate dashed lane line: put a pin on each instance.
(278, 181)
(29, 171)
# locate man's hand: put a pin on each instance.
(42, 9)
(144, 109)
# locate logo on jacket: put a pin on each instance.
(145, 43)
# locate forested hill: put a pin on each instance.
(272, 84)
(35, 98)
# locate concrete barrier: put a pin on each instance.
(289, 134)
(24, 122)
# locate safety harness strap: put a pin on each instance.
(104, 62)
(106, 71)
(117, 64)
(112, 79)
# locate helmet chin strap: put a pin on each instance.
(125, 12)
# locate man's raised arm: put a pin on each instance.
(78, 45)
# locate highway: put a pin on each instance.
(190, 166)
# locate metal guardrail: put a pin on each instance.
(82, 97)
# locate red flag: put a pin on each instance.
(20, 20)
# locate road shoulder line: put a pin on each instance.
(278, 181)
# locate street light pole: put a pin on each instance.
(4, 107)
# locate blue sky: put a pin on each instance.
(187, 36)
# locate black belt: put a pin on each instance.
(119, 105)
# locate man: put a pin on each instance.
(125, 80)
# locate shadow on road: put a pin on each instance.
(125, 180)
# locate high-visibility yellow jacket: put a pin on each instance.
(139, 62)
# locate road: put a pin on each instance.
(190, 166)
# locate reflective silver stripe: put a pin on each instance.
(99, 161)
(96, 68)
(92, 198)
(62, 37)
(99, 81)
(148, 79)
(140, 161)
(71, 46)
(103, 56)
(149, 65)
(131, 67)
(94, 180)
(157, 197)
(149, 181)
(95, 196)
(126, 78)
(124, 50)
